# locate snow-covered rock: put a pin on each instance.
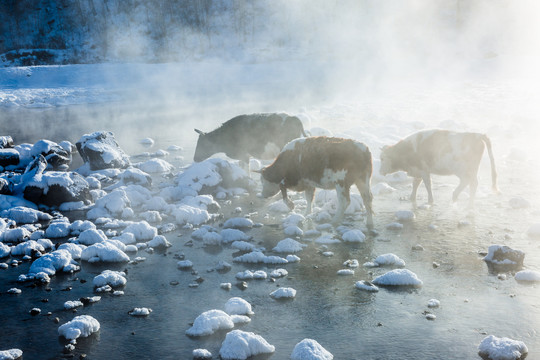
(494, 348)
(289, 246)
(209, 322)
(101, 151)
(309, 349)
(110, 277)
(283, 293)
(240, 345)
(398, 277)
(83, 325)
(238, 306)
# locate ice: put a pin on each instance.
(309, 349)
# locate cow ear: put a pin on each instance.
(199, 132)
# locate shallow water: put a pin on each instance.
(350, 323)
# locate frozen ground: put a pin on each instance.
(138, 102)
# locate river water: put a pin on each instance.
(351, 324)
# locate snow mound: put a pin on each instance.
(355, 235)
(255, 257)
(398, 277)
(232, 235)
(11, 354)
(238, 306)
(140, 311)
(404, 215)
(110, 277)
(527, 275)
(238, 223)
(240, 345)
(83, 325)
(289, 245)
(495, 348)
(366, 286)
(104, 252)
(309, 349)
(51, 263)
(209, 322)
(389, 260)
(283, 293)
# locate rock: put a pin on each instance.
(501, 258)
(101, 151)
(6, 141)
(6, 187)
(57, 157)
(9, 157)
(53, 188)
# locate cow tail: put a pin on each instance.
(486, 141)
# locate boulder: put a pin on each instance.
(6, 142)
(57, 157)
(501, 258)
(8, 156)
(101, 151)
(53, 188)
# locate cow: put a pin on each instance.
(249, 135)
(321, 162)
(439, 152)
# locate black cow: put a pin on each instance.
(246, 136)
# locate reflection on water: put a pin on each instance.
(351, 324)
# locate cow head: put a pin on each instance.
(204, 147)
(269, 188)
(386, 161)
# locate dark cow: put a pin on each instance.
(440, 152)
(321, 162)
(249, 135)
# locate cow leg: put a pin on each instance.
(416, 183)
(343, 198)
(462, 184)
(427, 183)
(473, 185)
(286, 199)
(309, 193)
(367, 198)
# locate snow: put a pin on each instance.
(83, 325)
(398, 277)
(433, 303)
(389, 260)
(11, 354)
(201, 354)
(184, 264)
(238, 223)
(70, 304)
(354, 236)
(104, 252)
(91, 237)
(309, 349)
(240, 345)
(209, 322)
(258, 257)
(141, 230)
(110, 277)
(283, 293)
(528, 275)
(404, 215)
(159, 241)
(51, 263)
(289, 245)
(25, 215)
(502, 348)
(366, 286)
(238, 306)
(155, 166)
(26, 248)
(230, 235)
(142, 311)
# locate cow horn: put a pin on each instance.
(199, 132)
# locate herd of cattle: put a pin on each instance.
(306, 163)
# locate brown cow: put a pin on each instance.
(440, 152)
(321, 162)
